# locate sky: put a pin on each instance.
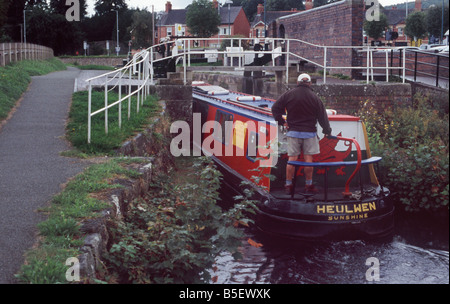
(159, 5)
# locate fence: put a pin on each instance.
(125, 76)
(16, 51)
(141, 69)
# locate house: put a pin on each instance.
(173, 22)
(257, 26)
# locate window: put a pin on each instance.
(252, 146)
(169, 31)
(221, 118)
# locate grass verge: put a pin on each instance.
(14, 80)
(59, 236)
(102, 143)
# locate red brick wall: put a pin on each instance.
(337, 24)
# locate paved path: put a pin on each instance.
(31, 169)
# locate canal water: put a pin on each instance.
(417, 254)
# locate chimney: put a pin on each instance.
(260, 9)
(168, 6)
(308, 4)
(215, 4)
(418, 6)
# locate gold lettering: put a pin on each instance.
(347, 210)
(320, 209)
(330, 218)
(372, 206)
(364, 207)
(330, 209)
(335, 218)
(357, 208)
(339, 209)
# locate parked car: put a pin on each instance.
(444, 50)
(431, 47)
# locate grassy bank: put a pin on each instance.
(14, 80)
(59, 236)
(102, 143)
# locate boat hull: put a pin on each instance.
(310, 219)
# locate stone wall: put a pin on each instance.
(344, 97)
(151, 146)
(105, 61)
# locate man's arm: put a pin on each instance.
(278, 110)
(323, 118)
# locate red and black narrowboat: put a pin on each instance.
(241, 135)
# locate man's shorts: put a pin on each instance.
(309, 146)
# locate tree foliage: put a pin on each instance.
(375, 28)
(202, 18)
(416, 25)
(433, 20)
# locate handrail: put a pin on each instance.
(358, 163)
(146, 59)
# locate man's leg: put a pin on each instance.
(308, 171)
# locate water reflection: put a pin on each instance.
(344, 262)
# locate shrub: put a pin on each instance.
(414, 144)
(176, 232)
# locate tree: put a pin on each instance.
(284, 5)
(433, 20)
(375, 29)
(202, 18)
(141, 28)
(416, 26)
(103, 7)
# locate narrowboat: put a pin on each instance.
(241, 135)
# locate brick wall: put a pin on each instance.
(336, 24)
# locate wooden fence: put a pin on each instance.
(16, 51)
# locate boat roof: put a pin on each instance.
(249, 105)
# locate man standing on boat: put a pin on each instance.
(304, 109)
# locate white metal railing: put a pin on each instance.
(143, 63)
(290, 45)
(139, 66)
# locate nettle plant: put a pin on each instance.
(174, 234)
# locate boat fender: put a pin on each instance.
(248, 98)
(331, 112)
(224, 92)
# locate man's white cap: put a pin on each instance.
(302, 77)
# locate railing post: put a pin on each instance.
(368, 64)
(437, 70)
(325, 65)
(120, 97)
(415, 66)
(287, 61)
(184, 63)
(89, 111)
(387, 67)
(130, 70)
(404, 65)
(106, 104)
(138, 91)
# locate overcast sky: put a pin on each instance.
(159, 5)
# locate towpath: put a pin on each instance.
(31, 168)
